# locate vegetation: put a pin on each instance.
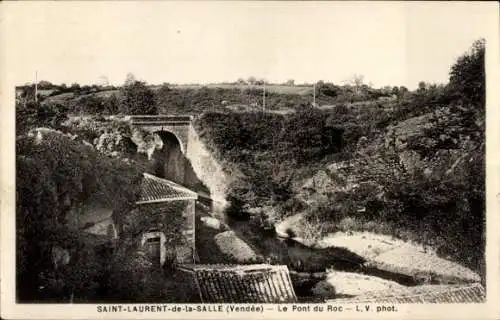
(32, 114)
(55, 175)
(413, 166)
(136, 97)
(272, 149)
(432, 200)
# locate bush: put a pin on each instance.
(56, 174)
(33, 114)
(137, 98)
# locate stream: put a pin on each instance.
(308, 265)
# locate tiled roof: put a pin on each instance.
(259, 283)
(423, 294)
(155, 189)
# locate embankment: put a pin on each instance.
(209, 171)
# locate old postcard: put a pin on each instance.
(169, 159)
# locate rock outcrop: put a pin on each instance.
(235, 248)
(211, 222)
(351, 284)
(424, 267)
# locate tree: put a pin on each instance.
(467, 75)
(103, 81)
(138, 98)
(327, 89)
(290, 82)
(111, 104)
(26, 116)
(43, 84)
(91, 104)
(55, 174)
(251, 80)
(33, 114)
(355, 83)
(422, 86)
(395, 91)
(357, 80)
(131, 266)
(130, 79)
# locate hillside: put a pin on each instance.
(195, 99)
(412, 168)
(380, 184)
(400, 170)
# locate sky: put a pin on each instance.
(391, 43)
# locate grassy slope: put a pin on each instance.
(194, 99)
(271, 88)
(274, 88)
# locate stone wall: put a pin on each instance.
(174, 218)
(208, 170)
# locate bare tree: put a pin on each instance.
(130, 79)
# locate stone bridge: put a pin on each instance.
(184, 159)
(169, 162)
(178, 125)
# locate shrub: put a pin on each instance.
(54, 175)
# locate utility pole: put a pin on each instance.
(264, 98)
(314, 94)
(36, 86)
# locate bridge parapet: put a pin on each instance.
(160, 119)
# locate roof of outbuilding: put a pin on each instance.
(473, 293)
(260, 283)
(155, 189)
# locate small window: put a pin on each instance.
(155, 239)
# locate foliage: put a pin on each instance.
(159, 216)
(83, 276)
(468, 73)
(269, 148)
(438, 204)
(94, 104)
(205, 99)
(446, 213)
(442, 207)
(137, 98)
(33, 114)
(126, 277)
(133, 278)
(55, 174)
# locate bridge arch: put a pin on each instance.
(178, 125)
(172, 161)
(170, 136)
(169, 161)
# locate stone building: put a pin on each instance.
(163, 221)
